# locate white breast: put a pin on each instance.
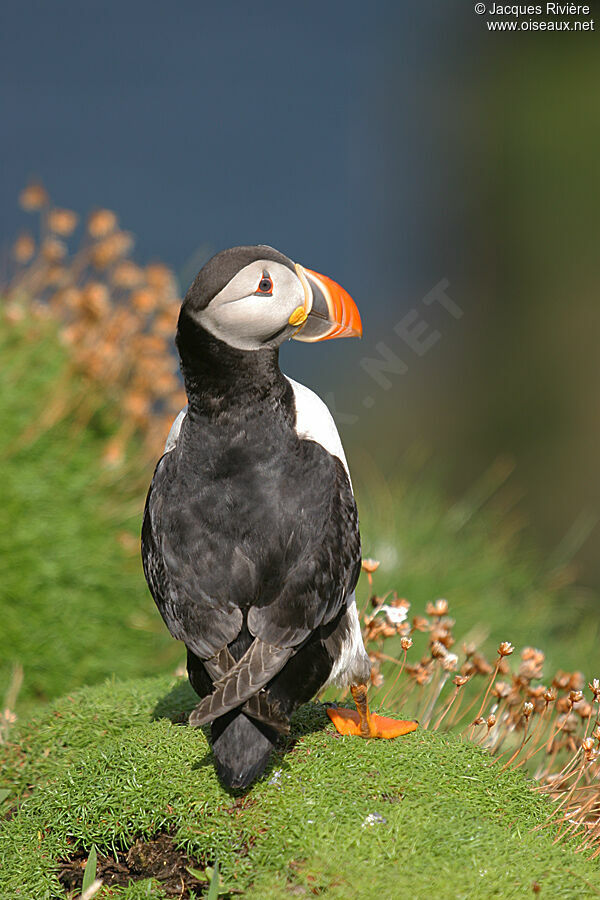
(315, 423)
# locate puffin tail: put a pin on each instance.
(242, 747)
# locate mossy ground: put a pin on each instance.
(108, 764)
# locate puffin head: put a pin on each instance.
(255, 297)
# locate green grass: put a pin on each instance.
(73, 600)
(107, 765)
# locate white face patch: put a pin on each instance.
(244, 318)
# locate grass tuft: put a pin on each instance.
(421, 815)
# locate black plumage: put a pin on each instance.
(250, 542)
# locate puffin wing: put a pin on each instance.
(241, 681)
(282, 597)
(315, 591)
(204, 620)
(324, 572)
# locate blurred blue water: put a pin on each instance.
(390, 146)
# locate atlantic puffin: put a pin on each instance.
(250, 537)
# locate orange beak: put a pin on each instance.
(330, 310)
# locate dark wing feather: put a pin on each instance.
(258, 665)
(277, 550)
(206, 623)
(324, 568)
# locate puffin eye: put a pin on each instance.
(265, 285)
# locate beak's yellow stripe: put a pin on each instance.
(298, 317)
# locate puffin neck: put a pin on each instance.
(219, 378)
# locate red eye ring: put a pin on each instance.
(265, 286)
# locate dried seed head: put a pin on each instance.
(95, 299)
(590, 752)
(550, 695)
(438, 651)
(532, 654)
(374, 628)
(577, 681)
(491, 720)
(143, 300)
(594, 687)
(501, 690)
(478, 721)
(53, 250)
(394, 615)
(442, 634)
(110, 249)
(370, 565)
(160, 277)
(449, 662)
(423, 675)
(33, 197)
(459, 680)
(420, 623)
(596, 733)
(164, 323)
(23, 248)
(561, 680)
(101, 222)
(527, 709)
(575, 696)
(127, 275)
(536, 692)
(406, 643)
(531, 668)
(482, 666)
(584, 710)
(505, 648)
(439, 608)
(62, 221)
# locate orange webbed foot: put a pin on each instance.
(347, 721)
(384, 727)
